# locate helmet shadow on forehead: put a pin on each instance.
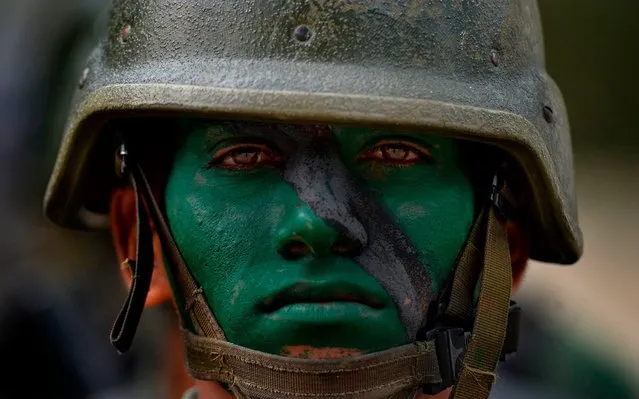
(157, 139)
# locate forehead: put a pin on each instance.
(263, 129)
(215, 130)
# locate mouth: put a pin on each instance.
(320, 294)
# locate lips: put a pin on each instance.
(318, 293)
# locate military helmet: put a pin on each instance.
(472, 70)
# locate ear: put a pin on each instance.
(519, 244)
(123, 220)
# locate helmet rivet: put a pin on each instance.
(84, 78)
(494, 57)
(549, 115)
(125, 32)
(303, 33)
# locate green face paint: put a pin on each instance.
(275, 273)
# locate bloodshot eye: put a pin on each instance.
(397, 153)
(245, 156)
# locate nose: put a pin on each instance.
(302, 234)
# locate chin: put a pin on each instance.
(318, 335)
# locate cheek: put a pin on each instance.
(222, 227)
(437, 219)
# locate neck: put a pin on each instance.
(213, 390)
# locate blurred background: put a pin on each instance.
(60, 290)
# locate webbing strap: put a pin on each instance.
(394, 373)
(483, 352)
(195, 303)
(460, 305)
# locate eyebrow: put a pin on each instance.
(269, 131)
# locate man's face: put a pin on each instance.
(308, 237)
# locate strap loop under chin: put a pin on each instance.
(394, 373)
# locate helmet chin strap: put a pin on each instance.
(449, 354)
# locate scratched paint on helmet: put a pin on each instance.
(316, 237)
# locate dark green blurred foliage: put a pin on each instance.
(550, 357)
(592, 51)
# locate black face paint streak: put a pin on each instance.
(323, 182)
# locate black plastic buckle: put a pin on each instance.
(450, 344)
(511, 342)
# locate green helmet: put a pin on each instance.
(472, 70)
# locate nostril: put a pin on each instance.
(295, 250)
(346, 247)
